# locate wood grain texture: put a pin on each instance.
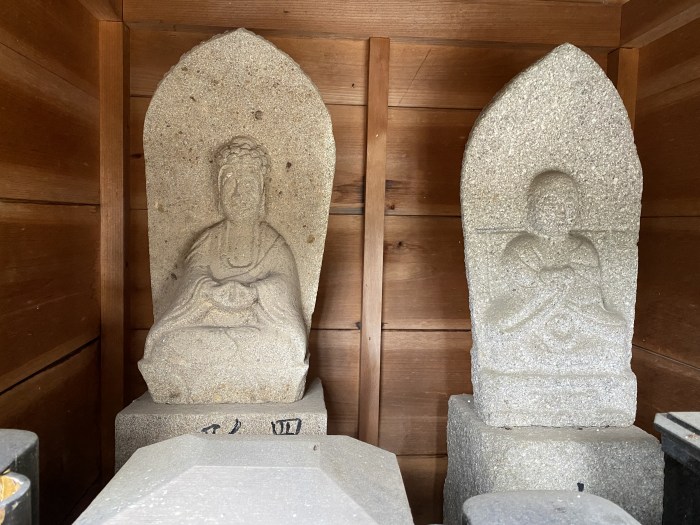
(339, 295)
(623, 67)
(61, 405)
(59, 35)
(104, 9)
(424, 160)
(668, 291)
(463, 77)
(114, 115)
(338, 67)
(670, 61)
(349, 128)
(420, 371)
(49, 139)
(335, 358)
(372, 268)
(425, 284)
(644, 21)
(666, 133)
(48, 285)
(517, 21)
(663, 385)
(424, 478)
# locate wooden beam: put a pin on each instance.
(110, 10)
(519, 21)
(643, 21)
(623, 70)
(114, 117)
(371, 335)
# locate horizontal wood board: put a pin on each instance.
(61, 405)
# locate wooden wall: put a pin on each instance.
(667, 329)
(50, 242)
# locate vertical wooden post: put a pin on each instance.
(113, 165)
(623, 69)
(375, 182)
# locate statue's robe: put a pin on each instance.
(237, 318)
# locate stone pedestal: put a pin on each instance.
(623, 465)
(145, 422)
(255, 479)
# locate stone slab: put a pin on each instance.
(623, 465)
(542, 507)
(255, 479)
(145, 422)
(551, 198)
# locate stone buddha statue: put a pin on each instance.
(235, 331)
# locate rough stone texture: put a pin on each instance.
(220, 479)
(551, 188)
(624, 465)
(145, 422)
(543, 507)
(240, 159)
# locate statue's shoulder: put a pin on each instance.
(269, 236)
(586, 252)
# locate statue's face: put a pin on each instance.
(241, 189)
(554, 211)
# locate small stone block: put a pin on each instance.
(255, 479)
(145, 422)
(623, 465)
(543, 507)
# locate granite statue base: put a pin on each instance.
(624, 465)
(145, 422)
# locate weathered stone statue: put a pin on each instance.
(239, 299)
(240, 159)
(551, 198)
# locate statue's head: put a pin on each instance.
(243, 166)
(552, 203)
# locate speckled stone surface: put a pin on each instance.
(623, 465)
(240, 159)
(543, 507)
(145, 422)
(223, 479)
(551, 189)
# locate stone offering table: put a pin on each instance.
(255, 479)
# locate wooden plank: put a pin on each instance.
(425, 284)
(114, 114)
(670, 61)
(519, 21)
(666, 133)
(104, 9)
(339, 293)
(668, 313)
(663, 385)
(337, 66)
(424, 478)
(61, 405)
(49, 141)
(623, 67)
(463, 77)
(335, 358)
(48, 285)
(420, 371)
(59, 36)
(424, 160)
(349, 126)
(370, 347)
(644, 21)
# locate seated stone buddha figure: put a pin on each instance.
(236, 320)
(553, 276)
